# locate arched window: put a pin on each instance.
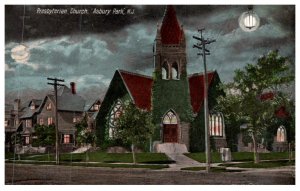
(216, 124)
(113, 117)
(175, 71)
(170, 118)
(165, 71)
(281, 134)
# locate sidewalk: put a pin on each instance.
(182, 161)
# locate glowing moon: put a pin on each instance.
(249, 22)
(20, 53)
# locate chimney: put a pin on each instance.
(73, 87)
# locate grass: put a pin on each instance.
(145, 158)
(240, 156)
(212, 169)
(262, 164)
(144, 166)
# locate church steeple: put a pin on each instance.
(170, 48)
(171, 32)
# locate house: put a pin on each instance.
(174, 97)
(28, 120)
(91, 111)
(69, 110)
(12, 121)
(278, 135)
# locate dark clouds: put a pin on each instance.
(90, 53)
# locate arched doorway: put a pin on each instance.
(170, 127)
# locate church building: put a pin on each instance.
(174, 97)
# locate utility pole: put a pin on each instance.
(55, 84)
(201, 46)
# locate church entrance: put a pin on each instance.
(170, 133)
(170, 128)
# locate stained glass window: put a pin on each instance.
(113, 117)
(170, 118)
(216, 124)
(281, 134)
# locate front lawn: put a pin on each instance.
(239, 156)
(146, 158)
(144, 166)
(262, 164)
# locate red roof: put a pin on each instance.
(139, 87)
(281, 112)
(267, 96)
(196, 83)
(170, 31)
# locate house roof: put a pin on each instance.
(68, 101)
(89, 104)
(196, 83)
(28, 112)
(281, 111)
(139, 87)
(171, 32)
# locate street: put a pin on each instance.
(44, 174)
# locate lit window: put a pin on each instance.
(74, 120)
(32, 106)
(6, 123)
(170, 118)
(96, 107)
(27, 140)
(41, 121)
(28, 123)
(165, 71)
(67, 139)
(49, 106)
(216, 124)
(281, 134)
(113, 118)
(175, 71)
(50, 120)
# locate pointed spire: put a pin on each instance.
(171, 32)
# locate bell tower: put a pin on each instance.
(170, 48)
(171, 106)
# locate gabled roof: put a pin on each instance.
(196, 83)
(68, 101)
(28, 112)
(171, 32)
(139, 87)
(88, 106)
(37, 102)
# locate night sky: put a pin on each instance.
(88, 49)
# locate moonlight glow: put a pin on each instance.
(249, 21)
(20, 53)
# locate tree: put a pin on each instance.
(244, 102)
(84, 134)
(134, 126)
(45, 135)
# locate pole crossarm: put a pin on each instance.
(55, 84)
(200, 45)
